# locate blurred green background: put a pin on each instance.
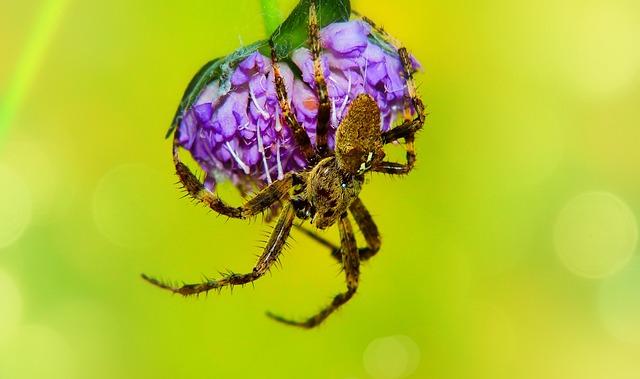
(510, 252)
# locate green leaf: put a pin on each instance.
(203, 77)
(293, 32)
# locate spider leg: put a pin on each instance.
(270, 255)
(404, 130)
(275, 192)
(392, 168)
(410, 126)
(324, 104)
(351, 264)
(335, 250)
(409, 145)
(299, 133)
(367, 227)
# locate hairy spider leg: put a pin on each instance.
(299, 133)
(270, 255)
(367, 227)
(394, 168)
(410, 126)
(351, 264)
(275, 192)
(324, 103)
(408, 69)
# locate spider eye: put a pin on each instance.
(343, 185)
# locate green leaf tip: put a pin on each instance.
(292, 33)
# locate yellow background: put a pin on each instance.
(510, 252)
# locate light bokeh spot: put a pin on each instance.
(619, 304)
(89, 328)
(126, 204)
(43, 168)
(37, 351)
(603, 56)
(595, 234)
(391, 357)
(10, 307)
(15, 206)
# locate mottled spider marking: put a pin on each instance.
(330, 192)
(358, 139)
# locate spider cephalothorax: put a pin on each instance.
(326, 189)
(335, 182)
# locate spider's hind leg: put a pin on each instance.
(351, 264)
(335, 250)
(367, 227)
(270, 255)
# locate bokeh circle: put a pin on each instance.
(15, 207)
(595, 234)
(391, 357)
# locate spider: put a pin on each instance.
(327, 190)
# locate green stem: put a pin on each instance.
(271, 15)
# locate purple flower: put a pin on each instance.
(348, 39)
(240, 135)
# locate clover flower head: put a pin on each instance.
(238, 133)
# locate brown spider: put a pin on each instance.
(328, 189)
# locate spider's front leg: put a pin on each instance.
(270, 255)
(324, 103)
(351, 264)
(303, 142)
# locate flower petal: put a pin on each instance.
(346, 38)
